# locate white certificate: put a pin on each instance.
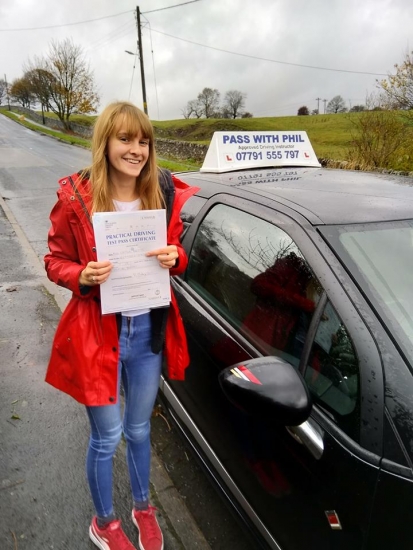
(136, 281)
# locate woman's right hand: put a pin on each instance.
(95, 273)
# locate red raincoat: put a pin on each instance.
(84, 357)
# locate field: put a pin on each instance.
(330, 135)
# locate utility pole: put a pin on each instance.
(325, 101)
(138, 23)
(7, 91)
(318, 99)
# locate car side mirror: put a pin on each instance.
(268, 387)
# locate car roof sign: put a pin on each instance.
(230, 151)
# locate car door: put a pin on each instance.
(257, 285)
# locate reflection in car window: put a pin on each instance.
(332, 373)
(384, 258)
(254, 275)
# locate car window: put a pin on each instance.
(380, 258)
(190, 209)
(332, 373)
(254, 275)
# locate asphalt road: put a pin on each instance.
(44, 502)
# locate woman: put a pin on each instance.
(92, 353)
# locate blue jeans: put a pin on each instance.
(140, 371)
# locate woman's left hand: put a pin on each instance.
(167, 256)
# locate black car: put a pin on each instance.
(298, 306)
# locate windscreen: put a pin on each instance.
(380, 257)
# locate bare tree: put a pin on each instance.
(258, 251)
(209, 99)
(193, 108)
(69, 81)
(234, 104)
(336, 105)
(187, 111)
(21, 91)
(398, 87)
(376, 102)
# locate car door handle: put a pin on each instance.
(308, 435)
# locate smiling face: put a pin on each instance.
(127, 155)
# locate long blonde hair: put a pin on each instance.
(135, 123)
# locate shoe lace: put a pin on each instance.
(151, 525)
(119, 537)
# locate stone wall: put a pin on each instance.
(54, 123)
(182, 150)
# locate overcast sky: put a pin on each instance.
(349, 36)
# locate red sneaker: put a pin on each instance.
(150, 534)
(111, 537)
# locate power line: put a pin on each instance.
(110, 37)
(91, 20)
(266, 59)
(140, 48)
(66, 24)
(169, 7)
